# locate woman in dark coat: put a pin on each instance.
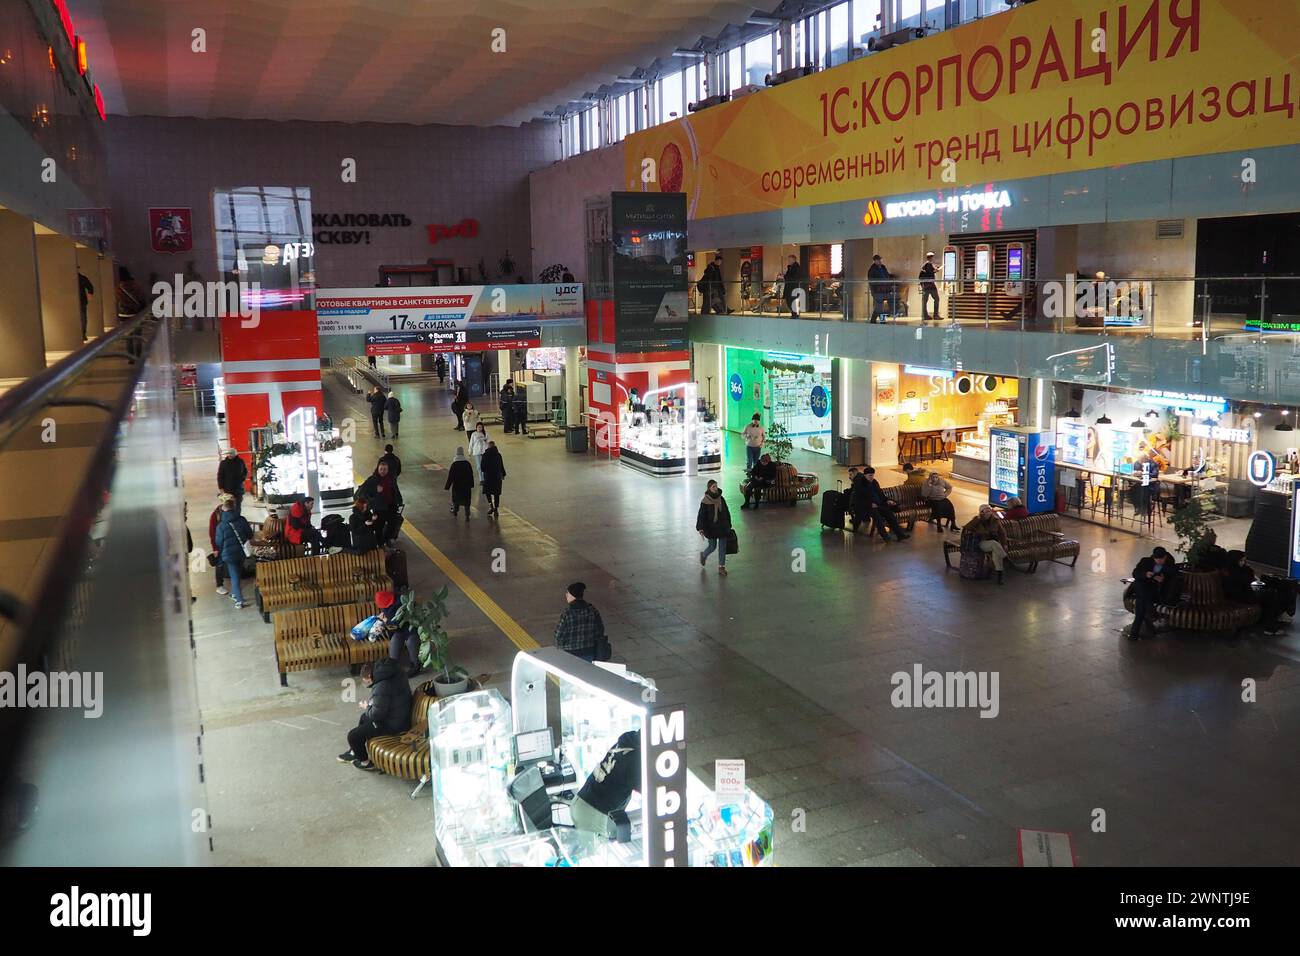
(393, 409)
(714, 525)
(493, 470)
(377, 400)
(364, 527)
(460, 481)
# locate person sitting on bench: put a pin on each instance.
(883, 517)
(760, 479)
(1155, 581)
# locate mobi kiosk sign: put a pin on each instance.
(1044, 89)
(665, 787)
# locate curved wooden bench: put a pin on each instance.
(1206, 608)
(321, 637)
(791, 485)
(1038, 538)
(319, 580)
(911, 506)
(406, 755)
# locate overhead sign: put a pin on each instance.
(1028, 92)
(448, 318)
(961, 202)
(1240, 436)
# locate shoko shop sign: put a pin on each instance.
(353, 228)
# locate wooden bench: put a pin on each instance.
(1205, 607)
(319, 580)
(406, 755)
(911, 507)
(321, 637)
(791, 485)
(1038, 538)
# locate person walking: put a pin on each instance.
(383, 497)
(233, 531)
(506, 402)
(392, 461)
(393, 409)
(713, 522)
(231, 475)
(219, 566)
(440, 366)
(989, 535)
(879, 282)
(492, 471)
(793, 284)
(478, 443)
(84, 291)
(937, 492)
(580, 630)
(387, 712)
(712, 293)
(460, 482)
(458, 403)
(378, 400)
(929, 289)
(370, 360)
(754, 436)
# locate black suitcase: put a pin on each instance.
(834, 504)
(395, 565)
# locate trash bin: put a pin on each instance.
(575, 439)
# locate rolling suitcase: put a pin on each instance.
(395, 566)
(834, 504)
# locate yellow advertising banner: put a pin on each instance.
(1046, 88)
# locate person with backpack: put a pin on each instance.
(713, 522)
(387, 712)
(492, 471)
(460, 482)
(364, 527)
(335, 533)
(580, 631)
(233, 532)
(393, 409)
(378, 400)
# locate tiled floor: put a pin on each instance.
(790, 670)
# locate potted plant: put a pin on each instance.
(425, 618)
(778, 444)
(1195, 536)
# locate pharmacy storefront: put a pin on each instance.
(787, 390)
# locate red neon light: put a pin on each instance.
(65, 17)
(81, 56)
(99, 101)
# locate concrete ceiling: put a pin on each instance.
(385, 61)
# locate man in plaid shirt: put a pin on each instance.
(580, 628)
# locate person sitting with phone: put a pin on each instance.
(1156, 581)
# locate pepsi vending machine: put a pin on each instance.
(1021, 465)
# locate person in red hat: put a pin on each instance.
(389, 604)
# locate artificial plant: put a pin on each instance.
(552, 273)
(425, 619)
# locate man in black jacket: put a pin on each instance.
(84, 291)
(929, 290)
(377, 400)
(712, 294)
(458, 404)
(793, 281)
(880, 507)
(760, 479)
(879, 281)
(392, 461)
(521, 409)
(388, 711)
(231, 475)
(1155, 581)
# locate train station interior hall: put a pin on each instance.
(867, 425)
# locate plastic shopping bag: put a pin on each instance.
(366, 630)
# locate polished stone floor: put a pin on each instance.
(787, 663)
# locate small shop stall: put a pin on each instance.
(660, 431)
(942, 414)
(285, 467)
(514, 788)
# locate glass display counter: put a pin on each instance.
(476, 821)
(970, 460)
(287, 481)
(655, 443)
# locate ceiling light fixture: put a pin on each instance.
(1285, 424)
(1104, 420)
(1137, 423)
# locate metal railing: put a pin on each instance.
(1188, 307)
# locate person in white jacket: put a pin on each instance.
(470, 417)
(478, 442)
(754, 436)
